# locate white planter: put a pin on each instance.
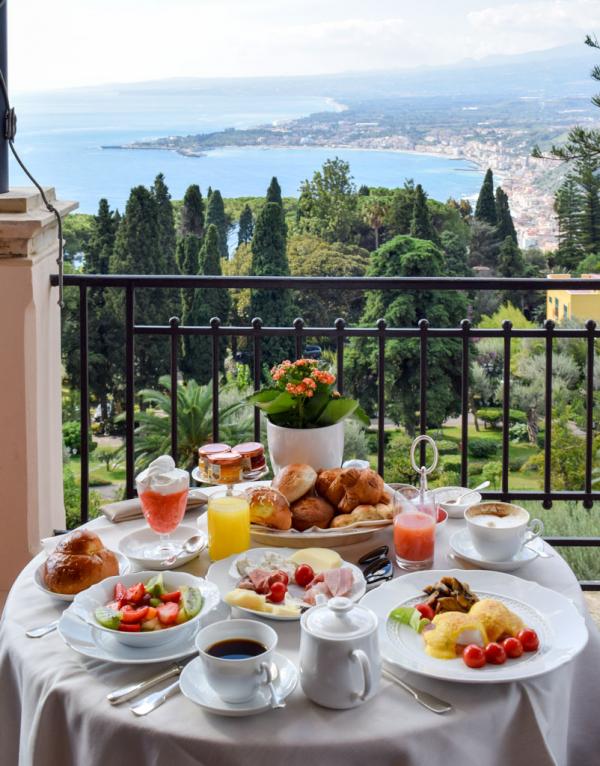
(318, 447)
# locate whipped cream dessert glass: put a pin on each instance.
(163, 491)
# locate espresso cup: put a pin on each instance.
(236, 680)
(499, 530)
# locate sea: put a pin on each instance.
(61, 136)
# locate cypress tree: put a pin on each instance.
(206, 304)
(192, 213)
(102, 240)
(421, 226)
(505, 226)
(137, 251)
(167, 240)
(485, 210)
(188, 259)
(510, 259)
(589, 184)
(215, 214)
(246, 226)
(274, 192)
(269, 258)
(363, 190)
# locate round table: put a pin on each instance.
(53, 710)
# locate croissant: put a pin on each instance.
(329, 486)
(362, 487)
(360, 513)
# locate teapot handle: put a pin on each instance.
(361, 657)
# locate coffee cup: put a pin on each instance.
(236, 656)
(499, 530)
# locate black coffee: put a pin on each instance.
(236, 649)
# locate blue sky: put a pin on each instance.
(62, 43)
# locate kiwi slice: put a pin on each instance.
(156, 586)
(192, 600)
(108, 618)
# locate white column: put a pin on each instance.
(31, 490)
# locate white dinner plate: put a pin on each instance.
(560, 627)
(38, 578)
(224, 575)
(134, 545)
(462, 545)
(83, 638)
(196, 688)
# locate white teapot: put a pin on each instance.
(340, 665)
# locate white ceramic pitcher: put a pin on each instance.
(340, 665)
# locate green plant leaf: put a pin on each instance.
(315, 406)
(362, 417)
(336, 410)
(281, 403)
(265, 395)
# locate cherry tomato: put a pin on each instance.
(279, 576)
(513, 647)
(529, 639)
(495, 654)
(425, 610)
(304, 574)
(277, 593)
(474, 656)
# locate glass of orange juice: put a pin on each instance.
(228, 524)
(414, 531)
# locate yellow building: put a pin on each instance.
(573, 304)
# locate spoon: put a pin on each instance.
(457, 500)
(193, 544)
(272, 674)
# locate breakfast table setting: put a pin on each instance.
(323, 616)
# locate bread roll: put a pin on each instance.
(269, 508)
(311, 512)
(329, 486)
(78, 561)
(295, 480)
(360, 513)
(385, 510)
(361, 487)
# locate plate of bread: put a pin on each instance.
(327, 508)
(78, 561)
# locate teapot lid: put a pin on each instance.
(339, 618)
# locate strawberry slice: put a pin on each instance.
(120, 592)
(130, 628)
(130, 615)
(136, 593)
(167, 613)
(173, 596)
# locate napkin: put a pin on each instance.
(125, 510)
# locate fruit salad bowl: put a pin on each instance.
(168, 616)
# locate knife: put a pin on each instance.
(154, 700)
(132, 690)
(429, 701)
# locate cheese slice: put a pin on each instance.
(320, 559)
(248, 599)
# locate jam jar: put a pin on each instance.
(225, 467)
(207, 450)
(253, 456)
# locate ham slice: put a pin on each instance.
(256, 580)
(332, 582)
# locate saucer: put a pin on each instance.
(462, 546)
(134, 545)
(86, 640)
(196, 688)
(38, 578)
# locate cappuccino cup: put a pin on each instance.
(499, 530)
(237, 656)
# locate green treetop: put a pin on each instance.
(188, 259)
(245, 226)
(269, 258)
(421, 226)
(505, 225)
(206, 304)
(102, 240)
(327, 205)
(568, 204)
(485, 210)
(166, 225)
(192, 212)
(274, 192)
(215, 214)
(510, 259)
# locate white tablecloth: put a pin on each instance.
(53, 710)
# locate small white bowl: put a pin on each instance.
(86, 603)
(443, 494)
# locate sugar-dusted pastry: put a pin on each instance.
(78, 561)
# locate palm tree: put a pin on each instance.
(194, 421)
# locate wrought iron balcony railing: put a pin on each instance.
(339, 332)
